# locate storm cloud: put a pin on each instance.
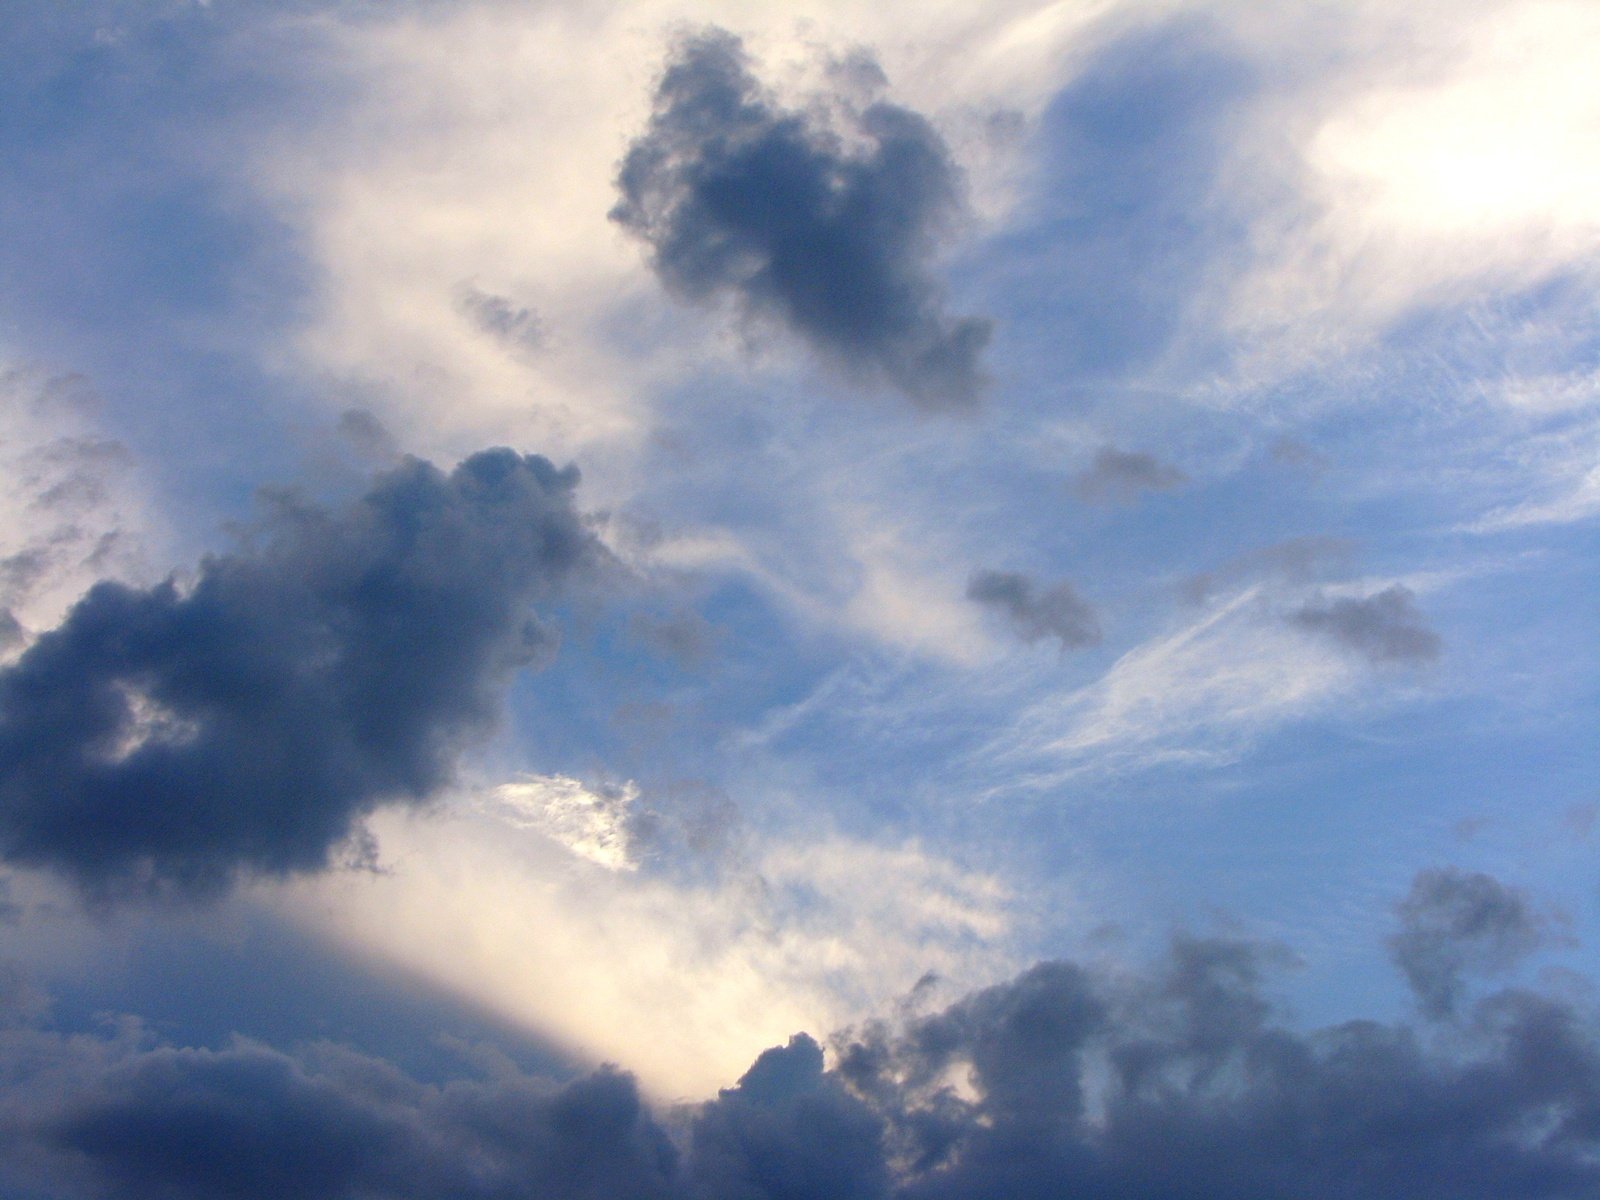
(178, 734)
(1034, 613)
(1385, 627)
(1176, 1079)
(827, 231)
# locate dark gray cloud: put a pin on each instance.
(1034, 613)
(826, 230)
(246, 1121)
(1385, 627)
(1180, 1083)
(174, 735)
(1454, 923)
(1173, 1081)
(1121, 476)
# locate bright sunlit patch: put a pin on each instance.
(589, 822)
(1503, 152)
(684, 981)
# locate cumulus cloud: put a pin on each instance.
(823, 225)
(1177, 1078)
(1180, 1081)
(1385, 627)
(1120, 476)
(176, 735)
(1455, 921)
(1034, 613)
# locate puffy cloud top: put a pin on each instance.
(336, 661)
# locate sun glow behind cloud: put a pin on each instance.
(682, 979)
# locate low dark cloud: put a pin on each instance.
(1179, 1079)
(1455, 923)
(823, 224)
(248, 1122)
(1122, 476)
(175, 735)
(1180, 1082)
(1385, 627)
(1035, 613)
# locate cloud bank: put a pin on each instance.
(177, 735)
(825, 231)
(1175, 1079)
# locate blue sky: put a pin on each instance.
(1051, 479)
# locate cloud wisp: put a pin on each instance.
(176, 735)
(826, 231)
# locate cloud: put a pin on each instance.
(1455, 921)
(1201, 693)
(1177, 1077)
(504, 318)
(1119, 476)
(682, 969)
(1057, 611)
(245, 1121)
(591, 822)
(826, 227)
(1384, 627)
(1298, 560)
(177, 735)
(1179, 1081)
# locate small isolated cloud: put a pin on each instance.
(1454, 922)
(1034, 613)
(1121, 476)
(824, 225)
(1383, 628)
(502, 317)
(1300, 560)
(174, 736)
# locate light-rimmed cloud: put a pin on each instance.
(174, 736)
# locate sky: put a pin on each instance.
(695, 600)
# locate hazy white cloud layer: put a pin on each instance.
(535, 536)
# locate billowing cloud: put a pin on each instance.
(1035, 613)
(824, 226)
(1385, 627)
(1178, 1078)
(1180, 1081)
(177, 734)
(1120, 476)
(1453, 922)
